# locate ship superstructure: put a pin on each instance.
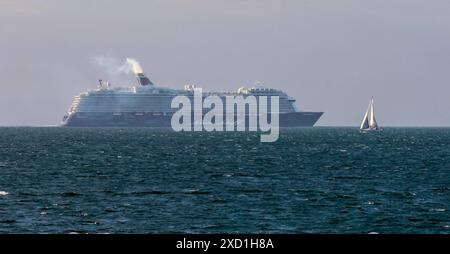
(149, 105)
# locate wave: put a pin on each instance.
(7, 221)
(154, 192)
(195, 192)
(248, 190)
(3, 193)
(71, 194)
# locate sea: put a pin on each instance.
(143, 180)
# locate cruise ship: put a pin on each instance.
(148, 105)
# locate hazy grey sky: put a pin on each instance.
(331, 55)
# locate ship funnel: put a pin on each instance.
(143, 80)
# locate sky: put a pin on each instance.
(331, 55)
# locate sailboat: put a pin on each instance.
(369, 123)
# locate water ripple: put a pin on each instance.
(139, 180)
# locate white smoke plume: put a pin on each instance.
(113, 65)
(117, 70)
(134, 65)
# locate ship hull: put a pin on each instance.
(108, 119)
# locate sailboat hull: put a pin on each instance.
(370, 130)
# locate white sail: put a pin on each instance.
(372, 123)
(369, 122)
(365, 123)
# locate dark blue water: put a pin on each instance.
(321, 180)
